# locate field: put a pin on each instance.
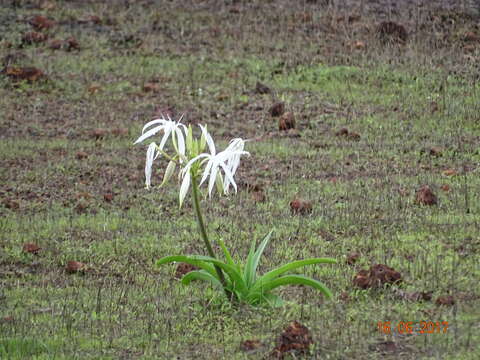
(364, 121)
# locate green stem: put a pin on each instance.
(203, 232)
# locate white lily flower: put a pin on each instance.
(169, 127)
(226, 160)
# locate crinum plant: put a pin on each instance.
(239, 282)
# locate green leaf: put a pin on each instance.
(248, 273)
(228, 256)
(235, 277)
(272, 300)
(192, 260)
(259, 252)
(294, 280)
(201, 275)
(269, 276)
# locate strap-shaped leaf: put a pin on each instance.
(248, 273)
(269, 276)
(228, 256)
(201, 275)
(235, 277)
(192, 260)
(259, 252)
(295, 280)
(253, 259)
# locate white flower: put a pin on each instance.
(169, 127)
(226, 160)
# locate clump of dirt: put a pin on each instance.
(390, 32)
(352, 258)
(183, 269)
(445, 300)
(250, 346)
(425, 196)
(81, 155)
(30, 74)
(295, 338)
(286, 121)
(277, 109)
(33, 37)
(11, 204)
(301, 207)
(377, 276)
(344, 132)
(31, 248)
(415, 295)
(385, 347)
(262, 88)
(40, 22)
(69, 44)
(73, 267)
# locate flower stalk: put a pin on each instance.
(203, 233)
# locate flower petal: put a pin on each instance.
(228, 178)
(181, 142)
(149, 133)
(148, 163)
(153, 122)
(184, 187)
(213, 176)
(208, 139)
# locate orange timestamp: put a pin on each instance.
(413, 327)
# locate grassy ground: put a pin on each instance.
(71, 181)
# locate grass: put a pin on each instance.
(403, 100)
